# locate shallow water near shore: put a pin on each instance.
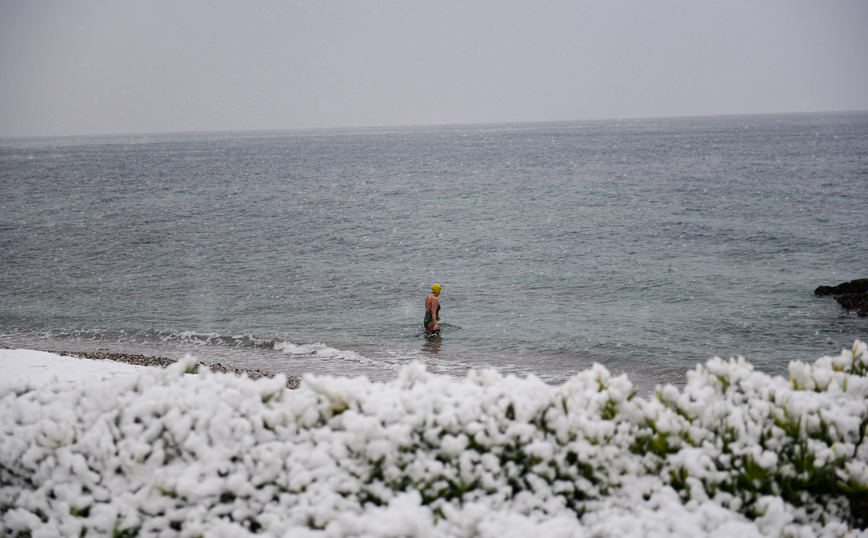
(644, 245)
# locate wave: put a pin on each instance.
(324, 351)
(120, 338)
(215, 339)
(141, 336)
(312, 350)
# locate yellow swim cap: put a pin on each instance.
(435, 288)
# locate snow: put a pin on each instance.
(102, 448)
(38, 368)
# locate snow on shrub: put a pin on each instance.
(164, 454)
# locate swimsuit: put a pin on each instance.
(429, 317)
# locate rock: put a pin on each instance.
(854, 286)
(855, 301)
(851, 295)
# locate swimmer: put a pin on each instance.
(432, 312)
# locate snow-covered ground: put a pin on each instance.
(97, 448)
(38, 368)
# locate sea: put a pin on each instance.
(648, 246)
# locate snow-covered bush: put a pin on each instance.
(734, 452)
(756, 436)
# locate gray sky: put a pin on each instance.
(108, 66)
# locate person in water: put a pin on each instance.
(432, 312)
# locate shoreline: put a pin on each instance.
(292, 382)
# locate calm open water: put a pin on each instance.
(647, 246)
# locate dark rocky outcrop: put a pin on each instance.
(851, 295)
